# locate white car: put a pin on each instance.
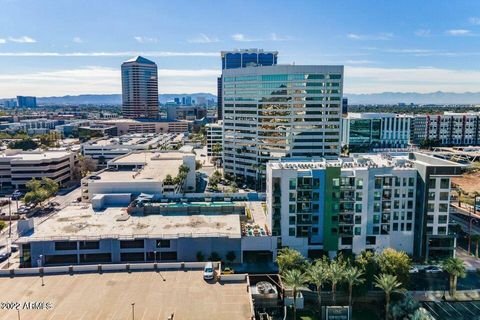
(433, 269)
(413, 270)
(208, 271)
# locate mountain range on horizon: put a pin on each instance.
(438, 97)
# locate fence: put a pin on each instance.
(104, 268)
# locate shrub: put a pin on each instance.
(200, 256)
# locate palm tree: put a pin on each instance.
(353, 276)
(388, 283)
(335, 274)
(455, 268)
(459, 194)
(476, 239)
(294, 279)
(317, 274)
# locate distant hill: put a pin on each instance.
(112, 98)
(438, 97)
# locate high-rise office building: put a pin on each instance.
(240, 59)
(26, 102)
(139, 89)
(345, 106)
(279, 111)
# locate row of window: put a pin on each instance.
(94, 245)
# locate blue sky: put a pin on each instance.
(71, 47)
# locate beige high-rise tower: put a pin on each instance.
(139, 89)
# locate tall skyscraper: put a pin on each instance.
(279, 111)
(26, 102)
(241, 59)
(139, 89)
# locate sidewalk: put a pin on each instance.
(470, 261)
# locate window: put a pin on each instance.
(377, 195)
(432, 183)
(357, 231)
(431, 196)
(291, 208)
(358, 207)
(444, 196)
(443, 207)
(378, 183)
(89, 245)
(442, 218)
(371, 240)
(395, 227)
(409, 226)
(409, 215)
(376, 218)
(376, 230)
(291, 196)
(293, 184)
(359, 183)
(291, 220)
(163, 243)
(444, 183)
(168, 256)
(65, 245)
(129, 244)
(411, 182)
(442, 230)
(291, 232)
(358, 219)
(376, 207)
(431, 207)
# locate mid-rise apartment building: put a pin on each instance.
(368, 202)
(363, 132)
(279, 111)
(448, 129)
(19, 167)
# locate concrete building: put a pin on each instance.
(125, 126)
(32, 126)
(162, 232)
(19, 167)
(214, 138)
(141, 172)
(96, 130)
(139, 89)
(175, 112)
(106, 149)
(279, 111)
(448, 129)
(368, 202)
(26, 102)
(363, 132)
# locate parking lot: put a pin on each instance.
(469, 310)
(110, 296)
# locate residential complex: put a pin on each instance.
(367, 202)
(366, 131)
(19, 167)
(139, 89)
(279, 111)
(105, 149)
(140, 172)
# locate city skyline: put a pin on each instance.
(389, 47)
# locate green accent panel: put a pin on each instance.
(331, 209)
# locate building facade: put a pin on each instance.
(214, 139)
(369, 202)
(26, 102)
(279, 111)
(363, 132)
(139, 89)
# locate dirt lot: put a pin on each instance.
(468, 182)
(110, 295)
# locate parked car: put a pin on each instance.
(208, 272)
(228, 270)
(433, 269)
(413, 269)
(4, 256)
(16, 195)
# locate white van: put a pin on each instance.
(208, 271)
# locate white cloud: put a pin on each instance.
(422, 33)
(474, 20)
(203, 38)
(97, 80)
(379, 36)
(110, 54)
(372, 80)
(140, 39)
(23, 39)
(243, 38)
(2, 41)
(77, 40)
(359, 62)
(459, 32)
(276, 37)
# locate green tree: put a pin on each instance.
(422, 314)
(476, 240)
(388, 283)
(24, 144)
(200, 256)
(230, 256)
(2, 225)
(317, 274)
(394, 262)
(168, 180)
(404, 308)
(294, 279)
(85, 165)
(289, 259)
(198, 165)
(51, 186)
(455, 268)
(353, 276)
(336, 274)
(366, 261)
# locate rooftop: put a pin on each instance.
(140, 59)
(83, 223)
(34, 155)
(151, 166)
(131, 140)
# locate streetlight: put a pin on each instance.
(133, 310)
